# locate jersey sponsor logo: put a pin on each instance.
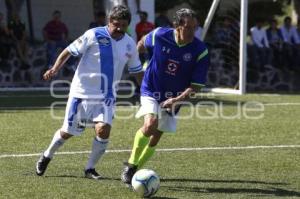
(172, 67)
(166, 50)
(104, 41)
(187, 57)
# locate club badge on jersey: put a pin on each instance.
(104, 41)
(172, 67)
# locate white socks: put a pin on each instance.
(57, 142)
(98, 149)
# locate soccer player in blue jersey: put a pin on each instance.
(104, 52)
(177, 67)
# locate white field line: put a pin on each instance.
(160, 150)
(282, 104)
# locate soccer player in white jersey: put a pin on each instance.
(104, 53)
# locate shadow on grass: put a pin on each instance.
(258, 192)
(270, 191)
(80, 177)
(221, 181)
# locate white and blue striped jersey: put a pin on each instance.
(102, 63)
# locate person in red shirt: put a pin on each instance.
(55, 34)
(143, 27)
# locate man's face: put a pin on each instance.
(100, 20)
(117, 28)
(56, 16)
(287, 22)
(187, 29)
(259, 24)
(143, 17)
(274, 24)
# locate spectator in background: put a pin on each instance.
(55, 34)
(162, 20)
(143, 27)
(275, 39)
(17, 31)
(291, 43)
(100, 20)
(224, 41)
(262, 53)
(5, 40)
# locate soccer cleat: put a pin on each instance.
(128, 172)
(41, 165)
(92, 174)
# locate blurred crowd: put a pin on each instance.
(271, 46)
(275, 46)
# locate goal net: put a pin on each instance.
(225, 32)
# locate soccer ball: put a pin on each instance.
(145, 182)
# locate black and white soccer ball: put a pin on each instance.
(145, 182)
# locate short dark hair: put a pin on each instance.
(56, 12)
(287, 19)
(143, 13)
(181, 14)
(120, 12)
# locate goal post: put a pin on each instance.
(241, 88)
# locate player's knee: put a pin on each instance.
(150, 126)
(65, 135)
(102, 130)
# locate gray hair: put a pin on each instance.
(181, 14)
(120, 12)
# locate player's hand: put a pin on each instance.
(49, 74)
(169, 103)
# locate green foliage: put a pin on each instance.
(265, 11)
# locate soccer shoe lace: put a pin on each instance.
(92, 174)
(42, 164)
(128, 172)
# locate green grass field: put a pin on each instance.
(208, 172)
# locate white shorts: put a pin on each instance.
(81, 113)
(166, 122)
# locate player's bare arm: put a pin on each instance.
(62, 58)
(141, 45)
(139, 77)
(183, 96)
(170, 102)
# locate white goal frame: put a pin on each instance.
(242, 49)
